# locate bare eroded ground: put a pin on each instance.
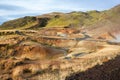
(58, 54)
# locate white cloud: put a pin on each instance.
(29, 4)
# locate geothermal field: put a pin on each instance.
(50, 47)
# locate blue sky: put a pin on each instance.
(11, 9)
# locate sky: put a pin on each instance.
(11, 9)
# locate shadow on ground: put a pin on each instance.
(108, 71)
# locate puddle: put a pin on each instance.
(117, 39)
(79, 54)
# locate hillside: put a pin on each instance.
(72, 19)
(62, 46)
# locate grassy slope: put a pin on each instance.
(109, 20)
(75, 19)
(20, 23)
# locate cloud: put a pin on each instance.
(9, 7)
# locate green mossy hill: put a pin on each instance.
(72, 19)
(109, 20)
(87, 19)
(17, 23)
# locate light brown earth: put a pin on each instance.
(56, 54)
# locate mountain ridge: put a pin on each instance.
(72, 19)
